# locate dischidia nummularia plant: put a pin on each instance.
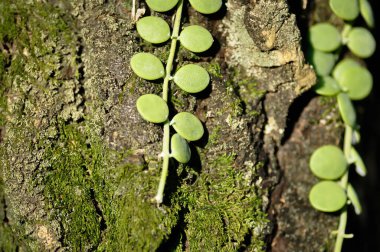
(191, 78)
(347, 80)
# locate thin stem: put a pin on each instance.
(344, 183)
(165, 93)
(133, 11)
(341, 230)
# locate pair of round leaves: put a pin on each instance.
(187, 126)
(161, 5)
(361, 42)
(152, 108)
(353, 78)
(328, 162)
(191, 78)
(345, 9)
(327, 196)
(324, 37)
(155, 30)
(202, 6)
(206, 6)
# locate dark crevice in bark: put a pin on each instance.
(246, 242)
(177, 236)
(295, 111)
(81, 73)
(61, 238)
(301, 13)
(172, 182)
(5, 219)
(102, 223)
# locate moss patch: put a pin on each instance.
(224, 210)
(68, 190)
(8, 241)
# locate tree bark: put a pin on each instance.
(80, 167)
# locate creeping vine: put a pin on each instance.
(347, 80)
(191, 78)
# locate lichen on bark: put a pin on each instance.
(80, 167)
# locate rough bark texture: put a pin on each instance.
(80, 167)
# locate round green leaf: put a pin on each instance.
(147, 66)
(361, 42)
(357, 81)
(343, 66)
(192, 78)
(324, 37)
(152, 108)
(322, 62)
(345, 9)
(206, 7)
(153, 29)
(327, 86)
(180, 149)
(195, 38)
(328, 162)
(188, 126)
(367, 13)
(161, 5)
(346, 109)
(327, 196)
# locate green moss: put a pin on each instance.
(214, 69)
(247, 89)
(8, 242)
(68, 190)
(252, 88)
(9, 28)
(214, 135)
(90, 189)
(125, 191)
(223, 208)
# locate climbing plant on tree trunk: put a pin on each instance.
(80, 164)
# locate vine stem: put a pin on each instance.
(344, 183)
(133, 11)
(165, 95)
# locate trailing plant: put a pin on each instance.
(191, 78)
(347, 80)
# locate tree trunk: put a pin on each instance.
(80, 167)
